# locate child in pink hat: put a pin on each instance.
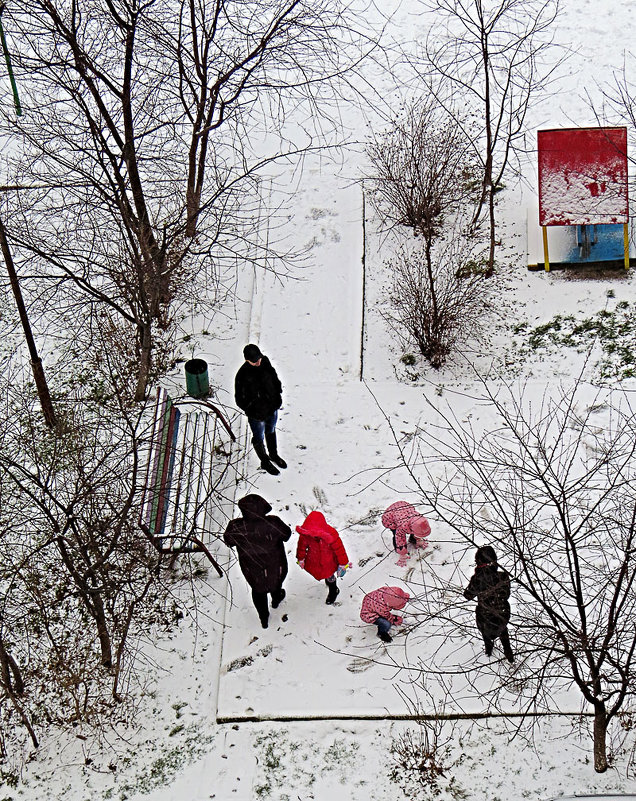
(376, 608)
(406, 523)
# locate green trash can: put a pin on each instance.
(196, 373)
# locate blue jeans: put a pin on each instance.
(383, 625)
(262, 427)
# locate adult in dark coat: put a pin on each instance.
(491, 587)
(258, 392)
(258, 537)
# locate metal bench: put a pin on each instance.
(188, 458)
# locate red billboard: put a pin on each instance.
(583, 176)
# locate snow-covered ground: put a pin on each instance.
(308, 708)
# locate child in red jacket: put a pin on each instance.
(376, 608)
(321, 553)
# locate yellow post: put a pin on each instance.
(626, 244)
(546, 259)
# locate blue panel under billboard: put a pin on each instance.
(585, 244)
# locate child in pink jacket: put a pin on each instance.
(376, 608)
(406, 523)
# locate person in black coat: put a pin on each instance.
(258, 537)
(258, 392)
(491, 587)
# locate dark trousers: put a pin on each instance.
(261, 601)
(489, 638)
(384, 625)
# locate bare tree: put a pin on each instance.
(80, 584)
(617, 107)
(422, 169)
(423, 178)
(142, 138)
(73, 491)
(551, 486)
(493, 54)
(438, 299)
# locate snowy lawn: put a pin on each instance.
(306, 707)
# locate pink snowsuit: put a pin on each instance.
(402, 518)
(380, 602)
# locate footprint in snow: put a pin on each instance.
(359, 665)
(320, 496)
(320, 214)
(242, 661)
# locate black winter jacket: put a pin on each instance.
(257, 390)
(258, 537)
(491, 587)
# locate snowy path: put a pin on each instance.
(319, 367)
(315, 660)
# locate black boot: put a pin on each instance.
(334, 592)
(385, 636)
(259, 447)
(262, 606)
(277, 598)
(272, 447)
(505, 641)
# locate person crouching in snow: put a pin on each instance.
(376, 608)
(406, 523)
(321, 553)
(491, 587)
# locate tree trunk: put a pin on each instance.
(145, 360)
(483, 194)
(193, 204)
(431, 279)
(490, 269)
(435, 357)
(490, 147)
(93, 603)
(9, 668)
(600, 737)
(102, 631)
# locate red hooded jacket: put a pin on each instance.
(320, 547)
